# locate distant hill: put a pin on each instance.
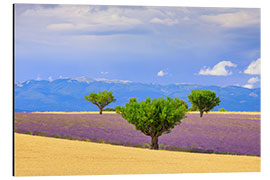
(67, 94)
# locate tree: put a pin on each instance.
(222, 110)
(204, 100)
(109, 109)
(101, 99)
(193, 108)
(184, 103)
(153, 118)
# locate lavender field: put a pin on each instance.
(213, 133)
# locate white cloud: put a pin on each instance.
(166, 21)
(60, 27)
(115, 23)
(254, 67)
(186, 18)
(161, 73)
(218, 70)
(241, 18)
(82, 19)
(44, 24)
(38, 78)
(249, 86)
(62, 77)
(253, 94)
(50, 79)
(253, 80)
(104, 73)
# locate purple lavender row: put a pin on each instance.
(218, 133)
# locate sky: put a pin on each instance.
(163, 45)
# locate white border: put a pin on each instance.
(6, 84)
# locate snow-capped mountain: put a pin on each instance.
(67, 94)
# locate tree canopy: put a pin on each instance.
(101, 99)
(222, 110)
(153, 117)
(203, 100)
(193, 108)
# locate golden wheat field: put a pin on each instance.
(43, 156)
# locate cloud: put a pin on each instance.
(166, 21)
(253, 94)
(121, 25)
(236, 19)
(82, 19)
(104, 73)
(62, 77)
(61, 26)
(50, 78)
(218, 70)
(47, 23)
(161, 73)
(38, 78)
(249, 86)
(254, 67)
(253, 80)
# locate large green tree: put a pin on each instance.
(203, 100)
(101, 99)
(153, 117)
(193, 108)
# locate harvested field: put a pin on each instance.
(43, 156)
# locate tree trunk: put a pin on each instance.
(201, 113)
(100, 111)
(154, 142)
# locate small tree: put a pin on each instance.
(222, 110)
(101, 99)
(153, 118)
(203, 100)
(109, 109)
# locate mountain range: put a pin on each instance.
(67, 94)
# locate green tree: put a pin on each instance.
(101, 99)
(222, 110)
(184, 103)
(193, 108)
(153, 118)
(109, 109)
(203, 100)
